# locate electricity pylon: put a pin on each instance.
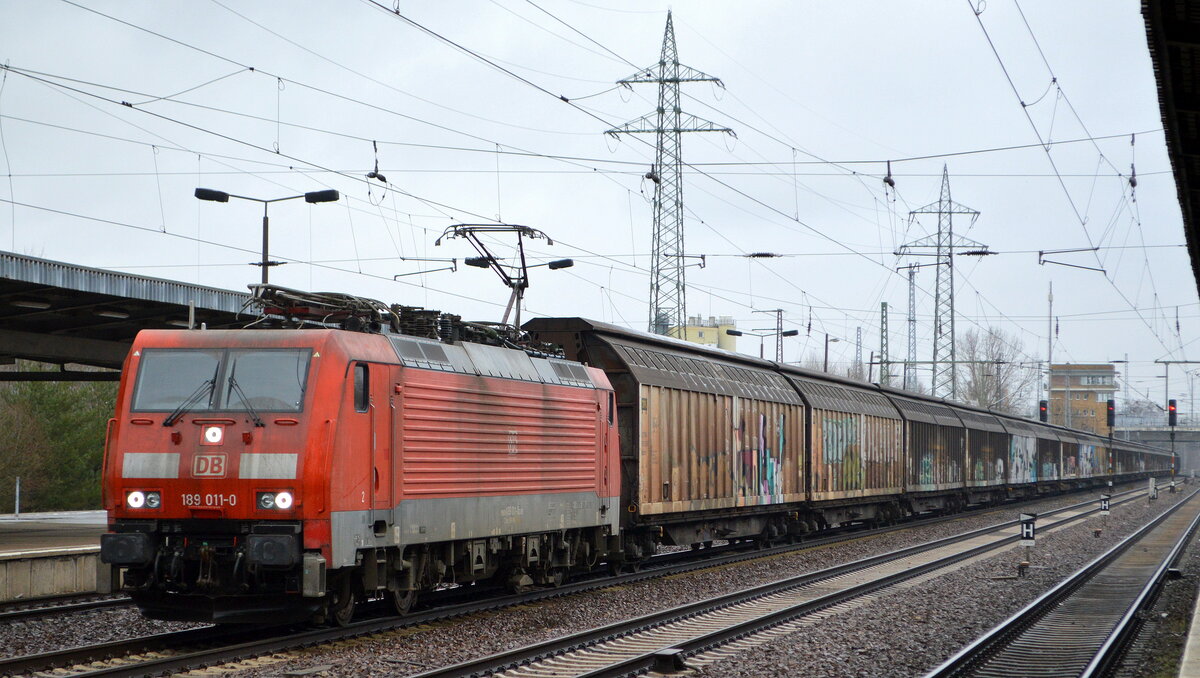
(944, 243)
(885, 365)
(668, 293)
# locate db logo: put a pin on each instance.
(208, 466)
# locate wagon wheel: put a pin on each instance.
(341, 606)
(402, 601)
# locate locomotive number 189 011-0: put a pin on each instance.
(209, 500)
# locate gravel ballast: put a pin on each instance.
(413, 650)
(912, 631)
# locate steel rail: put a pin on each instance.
(974, 656)
(519, 657)
(1126, 628)
(47, 608)
(44, 661)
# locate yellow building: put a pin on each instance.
(1087, 388)
(710, 331)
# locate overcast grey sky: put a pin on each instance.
(820, 94)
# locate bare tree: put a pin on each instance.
(991, 373)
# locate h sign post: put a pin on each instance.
(1028, 529)
(1028, 534)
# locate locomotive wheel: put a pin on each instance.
(402, 601)
(341, 607)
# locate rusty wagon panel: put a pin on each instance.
(856, 447)
(1049, 458)
(987, 449)
(936, 445)
(700, 451)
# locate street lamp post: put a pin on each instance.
(762, 336)
(828, 340)
(310, 197)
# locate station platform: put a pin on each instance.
(34, 533)
(1189, 666)
(49, 554)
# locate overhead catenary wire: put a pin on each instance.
(699, 164)
(977, 12)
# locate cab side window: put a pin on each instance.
(361, 385)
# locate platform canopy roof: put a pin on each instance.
(1173, 34)
(56, 312)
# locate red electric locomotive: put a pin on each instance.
(282, 475)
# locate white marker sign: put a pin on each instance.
(1028, 528)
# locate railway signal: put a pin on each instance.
(1112, 413)
(1043, 410)
(1172, 413)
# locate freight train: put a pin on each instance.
(360, 451)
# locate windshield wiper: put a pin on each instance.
(245, 401)
(205, 388)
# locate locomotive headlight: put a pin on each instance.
(153, 500)
(275, 501)
(135, 499)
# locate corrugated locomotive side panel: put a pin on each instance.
(855, 455)
(465, 436)
(700, 451)
(935, 456)
(988, 456)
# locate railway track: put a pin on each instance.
(195, 648)
(48, 607)
(1082, 626)
(710, 630)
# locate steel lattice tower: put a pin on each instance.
(668, 293)
(858, 365)
(910, 376)
(885, 367)
(944, 243)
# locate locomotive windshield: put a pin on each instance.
(265, 380)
